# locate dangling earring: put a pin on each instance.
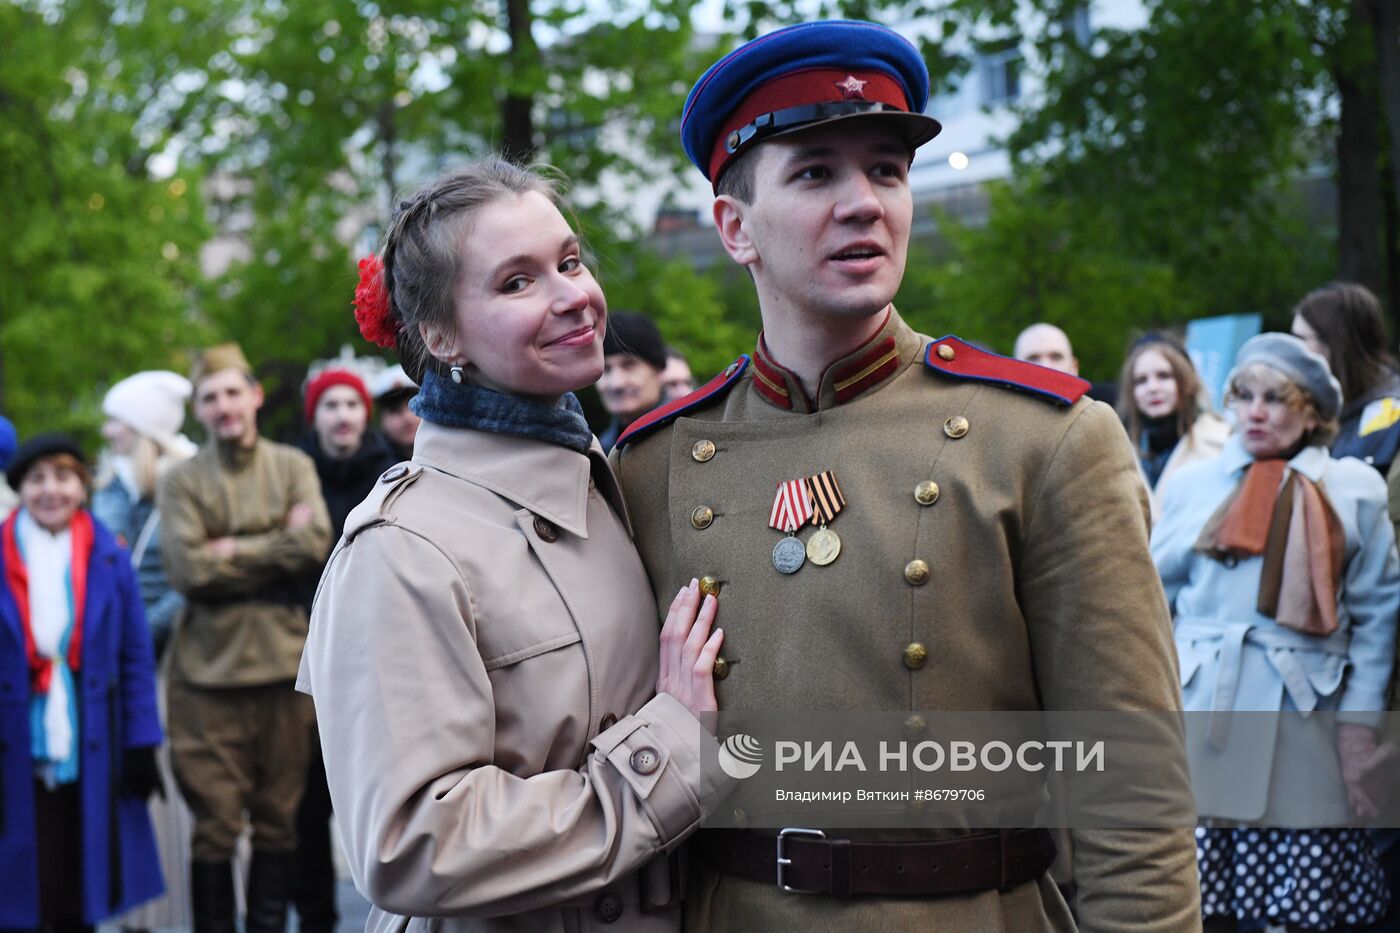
(457, 373)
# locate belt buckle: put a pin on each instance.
(784, 861)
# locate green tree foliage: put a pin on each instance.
(302, 123)
(335, 109)
(98, 260)
(1032, 261)
(1158, 175)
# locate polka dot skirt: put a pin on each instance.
(1314, 879)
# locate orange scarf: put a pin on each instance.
(1293, 525)
(17, 578)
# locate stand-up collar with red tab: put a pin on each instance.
(867, 369)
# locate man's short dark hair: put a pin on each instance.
(737, 180)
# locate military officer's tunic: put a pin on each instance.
(994, 558)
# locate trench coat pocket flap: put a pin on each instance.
(524, 654)
(1325, 672)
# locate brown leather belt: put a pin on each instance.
(813, 864)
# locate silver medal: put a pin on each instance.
(789, 554)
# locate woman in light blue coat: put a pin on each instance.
(1280, 565)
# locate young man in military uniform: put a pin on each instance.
(243, 522)
(982, 539)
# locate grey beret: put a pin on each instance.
(1306, 369)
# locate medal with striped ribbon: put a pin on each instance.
(827, 502)
(792, 507)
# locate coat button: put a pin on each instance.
(393, 473)
(546, 530)
(915, 656)
(721, 668)
(916, 572)
(946, 352)
(926, 493)
(703, 451)
(709, 585)
(702, 517)
(645, 760)
(955, 427)
(607, 722)
(608, 907)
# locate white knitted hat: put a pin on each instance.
(152, 403)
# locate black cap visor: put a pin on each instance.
(915, 128)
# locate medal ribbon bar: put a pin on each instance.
(826, 494)
(792, 506)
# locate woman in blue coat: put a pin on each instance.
(78, 722)
(1280, 565)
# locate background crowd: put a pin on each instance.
(107, 560)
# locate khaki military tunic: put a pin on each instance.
(244, 624)
(239, 735)
(994, 558)
(483, 657)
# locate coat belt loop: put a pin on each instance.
(1004, 854)
(840, 851)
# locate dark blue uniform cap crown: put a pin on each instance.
(739, 82)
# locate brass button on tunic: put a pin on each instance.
(956, 426)
(721, 668)
(703, 451)
(915, 656)
(702, 517)
(916, 572)
(709, 585)
(926, 493)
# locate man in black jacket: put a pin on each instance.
(349, 459)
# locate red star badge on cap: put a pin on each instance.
(852, 88)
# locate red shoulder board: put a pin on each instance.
(961, 360)
(674, 409)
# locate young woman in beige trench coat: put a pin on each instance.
(506, 747)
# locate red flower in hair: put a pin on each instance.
(372, 312)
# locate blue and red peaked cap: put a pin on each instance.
(803, 76)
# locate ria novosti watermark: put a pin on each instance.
(741, 756)
(1080, 770)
